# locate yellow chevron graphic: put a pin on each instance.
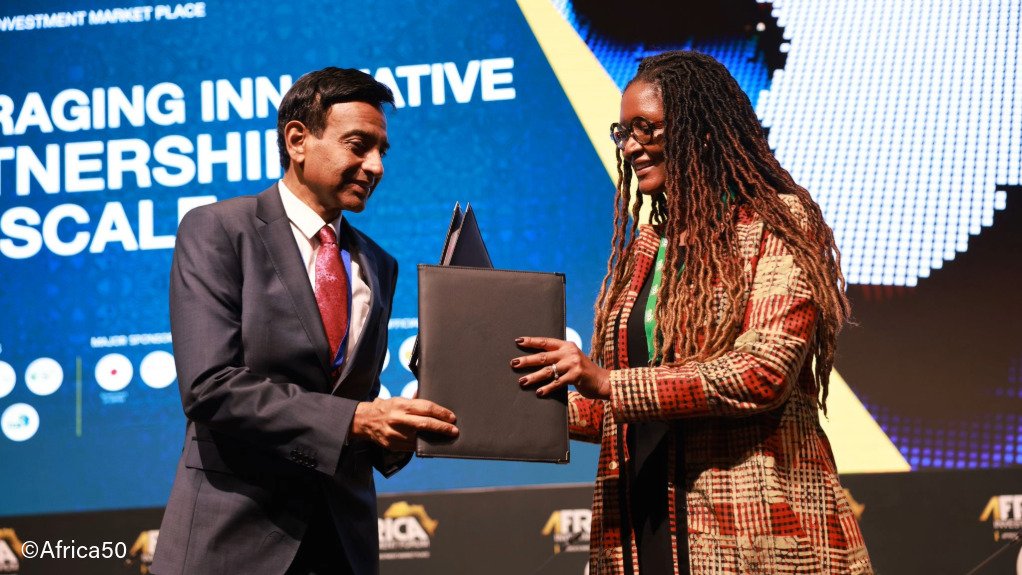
(860, 446)
(591, 91)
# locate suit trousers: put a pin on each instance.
(321, 552)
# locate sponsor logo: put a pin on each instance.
(410, 389)
(406, 531)
(19, 422)
(404, 353)
(10, 551)
(157, 369)
(114, 372)
(569, 529)
(141, 553)
(7, 378)
(857, 508)
(44, 376)
(1005, 514)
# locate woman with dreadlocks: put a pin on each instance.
(712, 347)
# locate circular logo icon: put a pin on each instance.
(7, 378)
(410, 388)
(572, 336)
(384, 392)
(44, 376)
(19, 422)
(157, 369)
(386, 361)
(114, 372)
(405, 352)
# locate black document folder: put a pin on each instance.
(468, 321)
(463, 246)
(464, 243)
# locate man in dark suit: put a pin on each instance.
(279, 312)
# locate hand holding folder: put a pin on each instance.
(469, 318)
(558, 364)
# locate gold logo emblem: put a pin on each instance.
(141, 553)
(10, 551)
(1005, 514)
(400, 509)
(857, 508)
(570, 529)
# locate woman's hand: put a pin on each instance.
(561, 363)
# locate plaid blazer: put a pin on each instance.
(760, 482)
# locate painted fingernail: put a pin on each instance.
(540, 393)
(520, 340)
(521, 381)
(515, 362)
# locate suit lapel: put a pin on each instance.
(646, 436)
(369, 270)
(645, 248)
(279, 241)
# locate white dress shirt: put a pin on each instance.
(305, 224)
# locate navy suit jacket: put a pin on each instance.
(267, 435)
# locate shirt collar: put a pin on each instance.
(302, 216)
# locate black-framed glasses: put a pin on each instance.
(639, 128)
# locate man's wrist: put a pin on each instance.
(351, 426)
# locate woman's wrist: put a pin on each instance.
(601, 387)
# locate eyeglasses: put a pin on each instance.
(640, 128)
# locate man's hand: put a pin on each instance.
(394, 423)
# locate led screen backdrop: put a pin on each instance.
(115, 119)
(904, 119)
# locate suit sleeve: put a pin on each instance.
(385, 461)
(217, 388)
(756, 375)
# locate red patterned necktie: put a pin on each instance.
(331, 289)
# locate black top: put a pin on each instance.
(647, 472)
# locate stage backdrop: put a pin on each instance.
(903, 119)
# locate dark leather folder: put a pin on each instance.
(463, 246)
(468, 321)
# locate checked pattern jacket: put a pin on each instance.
(760, 482)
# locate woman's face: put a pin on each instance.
(641, 100)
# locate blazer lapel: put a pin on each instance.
(645, 249)
(279, 242)
(647, 435)
(370, 273)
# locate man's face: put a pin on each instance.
(343, 165)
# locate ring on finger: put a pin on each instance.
(553, 370)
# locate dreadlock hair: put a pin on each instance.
(716, 159)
